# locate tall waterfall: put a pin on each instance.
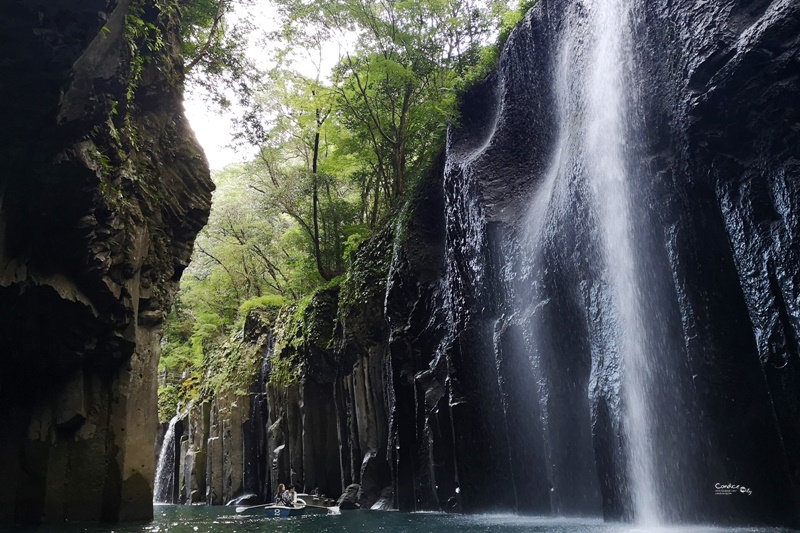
(591, 163)
(165, 471)
(609, 176)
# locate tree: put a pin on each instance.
(337, 153)
(292, 166)
(214, 50)
(396, 92)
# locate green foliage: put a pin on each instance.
(231, 366)
(386, 105)
(214, 50)
(290, 331)
(355, 237)
(511, 18)
(489, 55)
(261, 303)
(144, 38)
(284, 371)
(309, 322)
(289, 339)
(168, 400)
(366, 278)
(334, 283)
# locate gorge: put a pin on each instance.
(589, 307)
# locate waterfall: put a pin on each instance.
(574, 489)
(591, 161)
(165, 471)
(610, 180)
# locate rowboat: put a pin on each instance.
(283, 511)
(275, 511)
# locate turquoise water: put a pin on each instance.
(201, 519)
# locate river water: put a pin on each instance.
(202, 519)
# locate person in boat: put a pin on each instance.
(279, 494)
(289, 497)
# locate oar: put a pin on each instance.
(300, 500)
(316, 506)
(244, 508)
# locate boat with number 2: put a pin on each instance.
(272, 510)
(283, 511)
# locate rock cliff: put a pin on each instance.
(312, 406)
(102, 191)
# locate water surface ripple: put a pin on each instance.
(202, 519)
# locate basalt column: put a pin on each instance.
(102, 191)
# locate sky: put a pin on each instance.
(211, 125)
(213, 131)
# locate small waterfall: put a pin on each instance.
(165, 471)
(574, 489)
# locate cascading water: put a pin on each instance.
(572, 476)
(607, 167)
(165, 471)
(590, 162)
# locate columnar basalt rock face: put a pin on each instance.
(316, 414)
(102, 190)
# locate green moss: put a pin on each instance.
(289, 341)
(289, 327)
(490, 55)
(284, 371)
(319, 322)
(335, 283)
(300, 328)
(231, 367)
(269, 304)
(366, 278)
(512, 18)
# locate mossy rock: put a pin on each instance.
(361, 299)
(304, 335)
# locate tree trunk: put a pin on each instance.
(315, 200)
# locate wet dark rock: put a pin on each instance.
(386, 500)
(225, 448)
(349, 498)
(421, 440)
(718, 110)
(102, 191)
